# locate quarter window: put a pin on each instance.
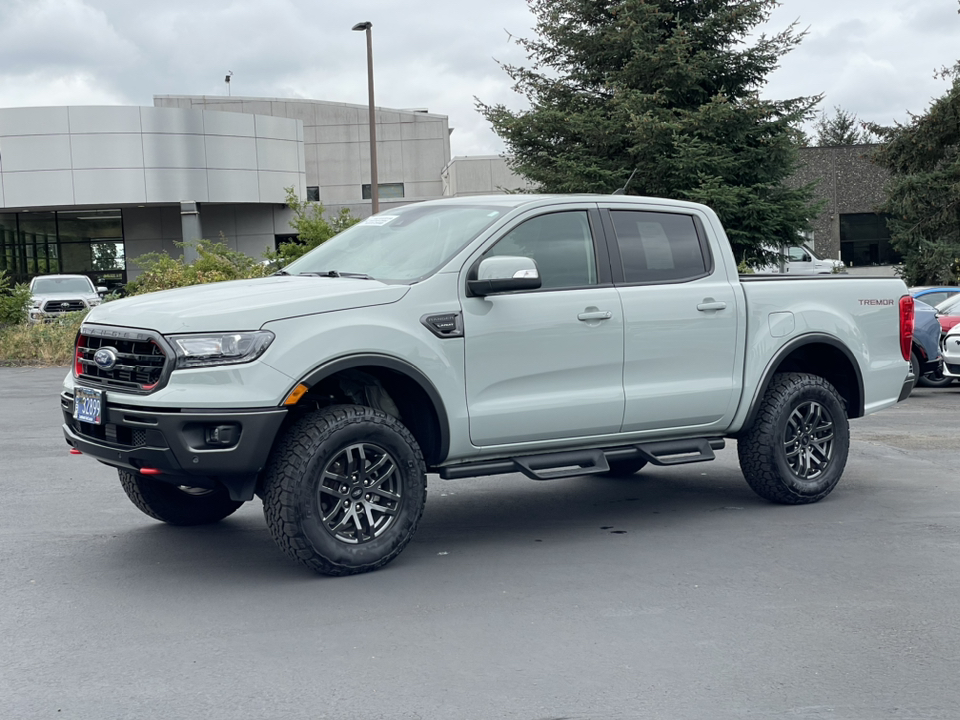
(658, 247)
(560, 243)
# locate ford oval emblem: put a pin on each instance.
(105, 358)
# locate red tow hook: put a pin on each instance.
(74, 451)
(150, 471)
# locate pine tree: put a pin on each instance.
(841, 128)
(923, 157)
(669, 88)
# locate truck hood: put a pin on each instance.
(243, 304)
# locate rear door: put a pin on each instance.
(547, 364)
(681, 321)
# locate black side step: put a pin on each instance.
(551, 466)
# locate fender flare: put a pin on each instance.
(790, 347)
(399, 366)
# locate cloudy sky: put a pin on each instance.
(875, 58)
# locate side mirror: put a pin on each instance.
(506, 273)
(806, 258)
(101, 290)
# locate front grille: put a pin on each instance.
(140, 361)
(64, 306)
(111, 433)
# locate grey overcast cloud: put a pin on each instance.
(875, 58)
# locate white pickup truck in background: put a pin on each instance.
(555, 336)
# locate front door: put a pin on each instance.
(548, 363)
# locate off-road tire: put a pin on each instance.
(624, 468)
(177, 505)
(344, 446)
(787, 432)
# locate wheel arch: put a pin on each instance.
(817, 354)
(420, 405)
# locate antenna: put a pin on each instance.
(623, 190)
(227, 81)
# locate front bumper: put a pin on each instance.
(176, 443)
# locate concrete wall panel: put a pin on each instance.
(34, 121)
(217, 219)
(273, 185)
(176, 185)
(174, 151)
(423, 131)
(239, 186)
(255, 245)
(255, 219)
(329, 114)
(109, 187)
(279, 155)
(35, 152)
(231, 153)
(108, 150)
(106, 119)
(21, 189)
(171, 120)
(278, 128)
(229, 123)
(423, 160)
(340, 164)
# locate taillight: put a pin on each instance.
(78, 354)
(906, 326)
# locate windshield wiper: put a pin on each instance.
(281, 272)
(337, 273)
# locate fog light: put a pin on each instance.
(222, 435)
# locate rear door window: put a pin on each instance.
(658, 247)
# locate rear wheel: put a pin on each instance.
(344, 491)
(915, 368)
(935, 379)
(796, 449)
(177, 504)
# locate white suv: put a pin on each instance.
(56, 295)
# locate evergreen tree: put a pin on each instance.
(841, 128)
(668, 88)
(923, 157)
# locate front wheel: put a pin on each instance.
(344, 490)
(796, 449)
(177, 504)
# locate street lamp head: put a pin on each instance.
(363, 26)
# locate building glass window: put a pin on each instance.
(388, 191)
(865, 240)
(313, 193)
(86, 242)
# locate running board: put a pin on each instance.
(552, 466)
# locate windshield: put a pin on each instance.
(400, 245)
(50, 285)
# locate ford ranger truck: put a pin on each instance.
(553, 336)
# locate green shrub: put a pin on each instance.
(14, 301)
(312, 228)
(215, 263)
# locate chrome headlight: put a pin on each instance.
(220, 348)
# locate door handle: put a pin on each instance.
(708, 304)
(595, 315)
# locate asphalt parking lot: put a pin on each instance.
(676, 594)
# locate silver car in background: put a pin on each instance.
(57, 295)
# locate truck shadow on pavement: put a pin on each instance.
(503, 514)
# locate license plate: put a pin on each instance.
(88, 405)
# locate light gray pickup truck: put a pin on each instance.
(554, 336)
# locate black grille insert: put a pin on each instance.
(139, 366)
(64, 306)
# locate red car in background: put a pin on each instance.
(948, 313)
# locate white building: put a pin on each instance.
(88, 189)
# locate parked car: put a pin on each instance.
(948, 312)
(925, 358)
(951, 354)
(57, 295)
(802, 260)
(933, 295)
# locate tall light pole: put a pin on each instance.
(374, 183)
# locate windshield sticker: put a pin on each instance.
(379, 220)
